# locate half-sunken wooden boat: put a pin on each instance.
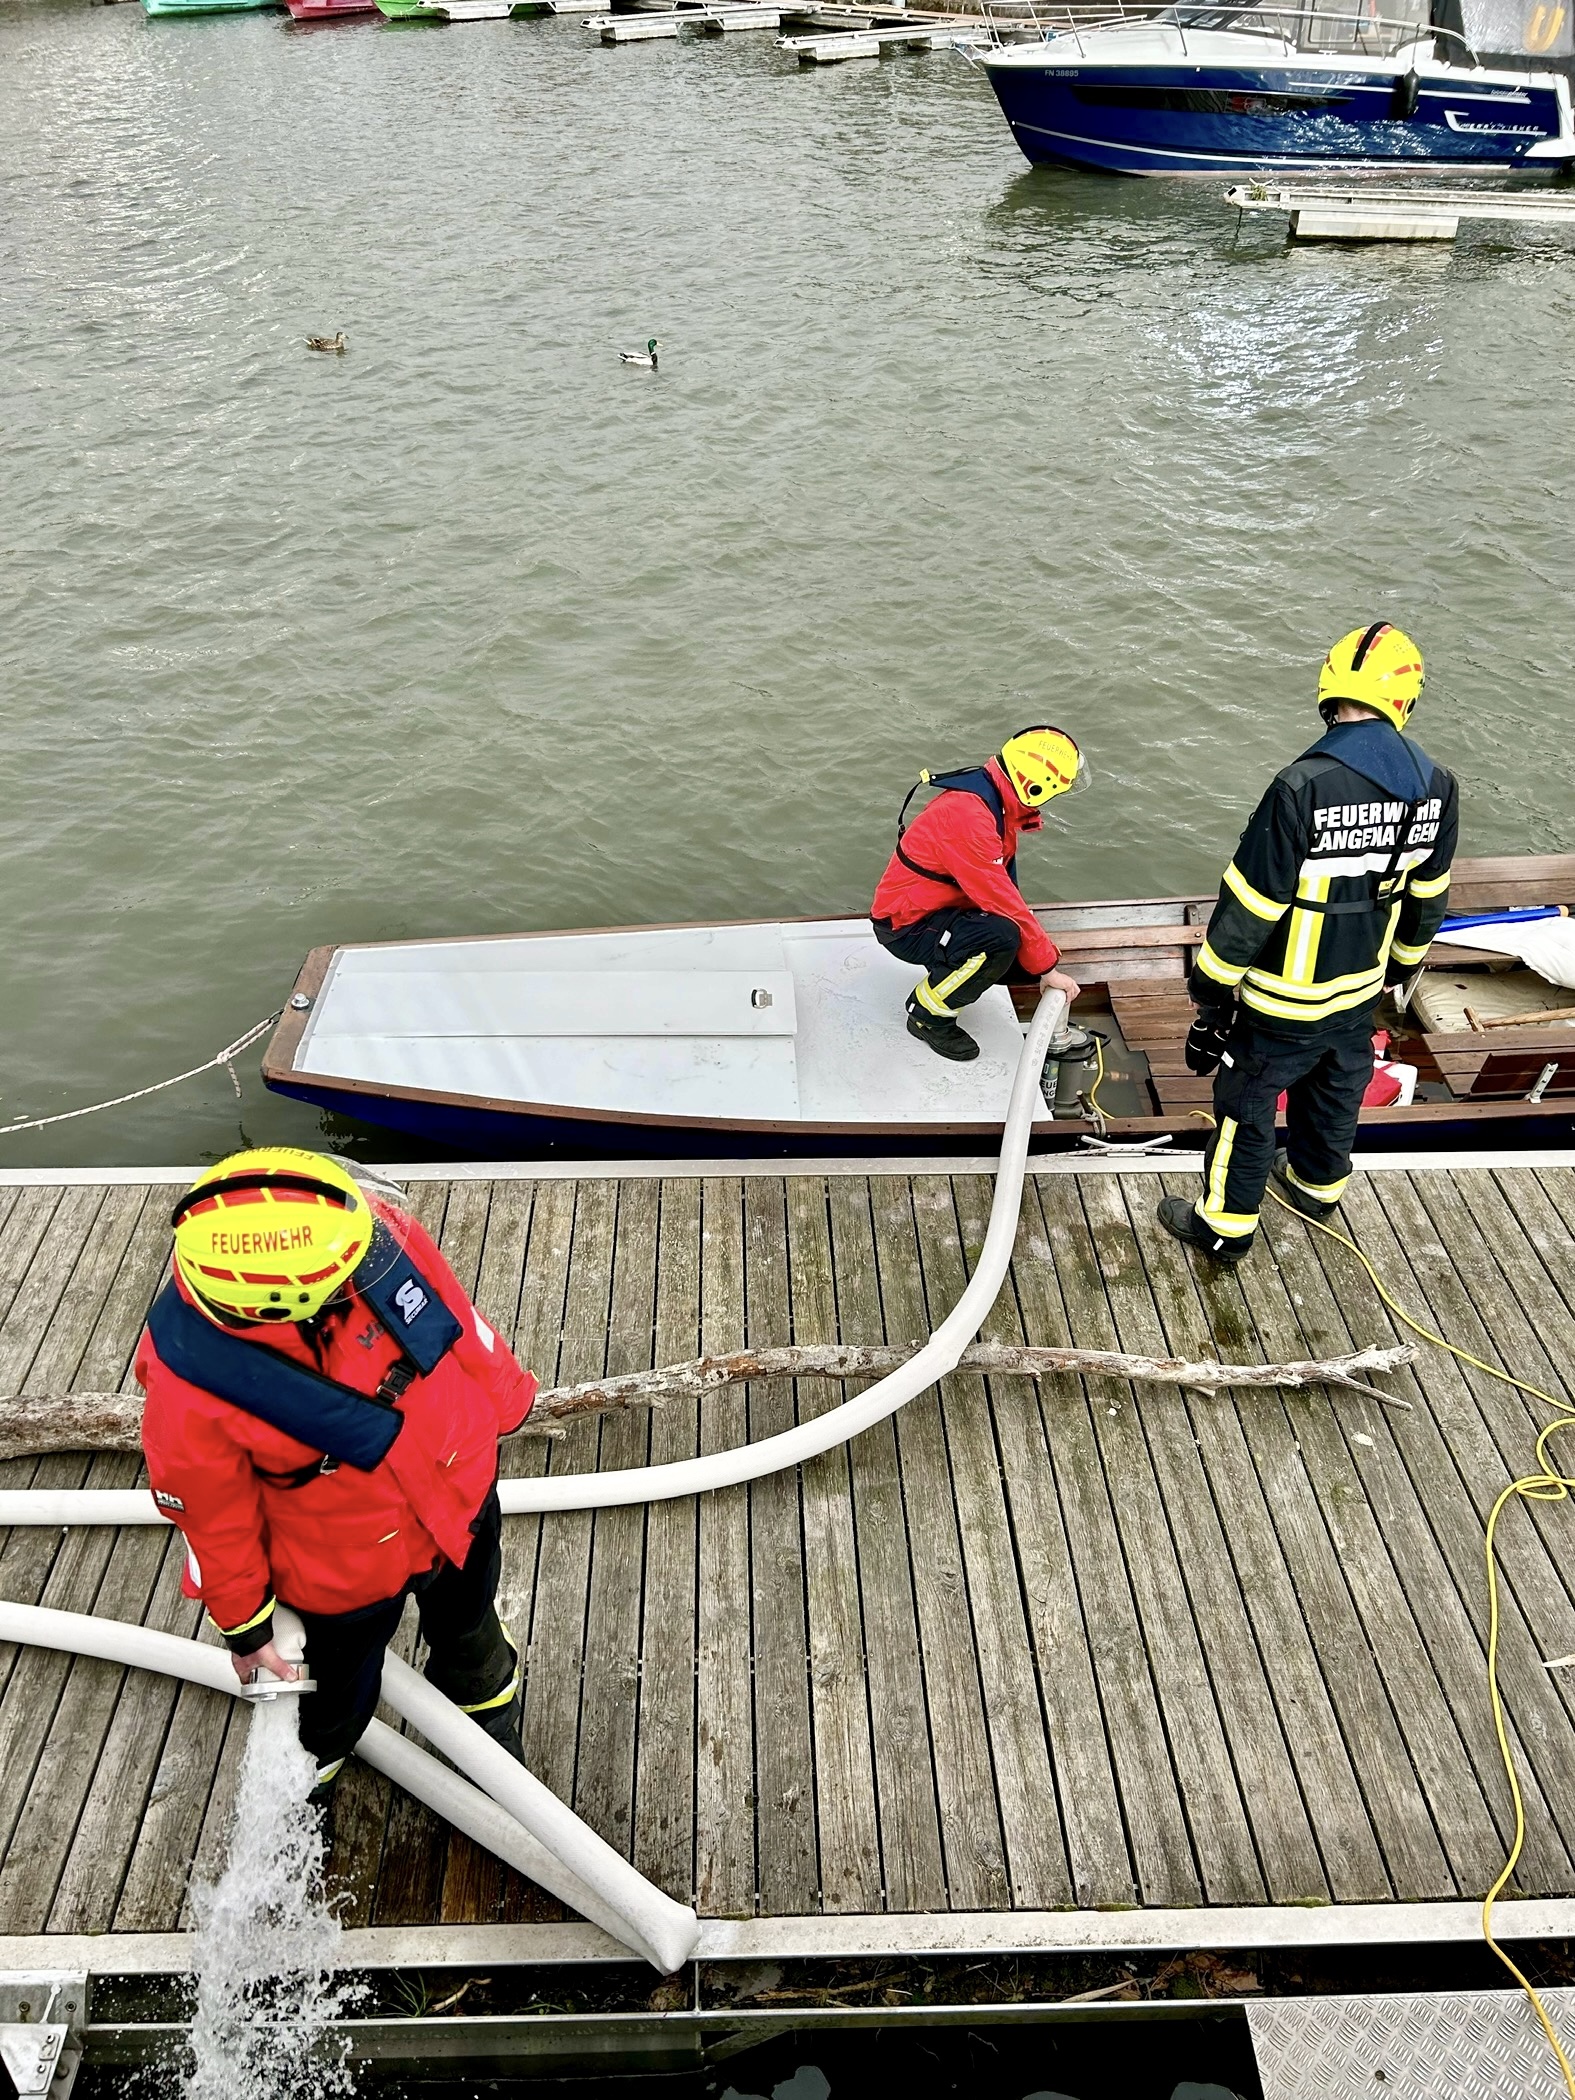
(787, 1037)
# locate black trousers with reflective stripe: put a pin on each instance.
(945, 944)
(1323, 1079)
(470, 1659)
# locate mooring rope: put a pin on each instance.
(222, 1057)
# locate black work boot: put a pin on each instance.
(320, 1807)
(944, 1037)
(1298, 1199)
(503, 1724)
(1181, 1220)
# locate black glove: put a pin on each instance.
(1207, 1037)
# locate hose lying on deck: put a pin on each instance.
(517, 1817)
(717, 1469)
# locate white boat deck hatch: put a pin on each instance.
(537, 1003)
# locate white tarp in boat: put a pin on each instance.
(1544, 945)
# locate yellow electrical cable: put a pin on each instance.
(1546, 1486)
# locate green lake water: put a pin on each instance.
(472, 629)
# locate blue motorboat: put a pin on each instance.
(1203, 90)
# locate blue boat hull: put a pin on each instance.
(474, 1131)
(1196, 120)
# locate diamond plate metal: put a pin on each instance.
(1443, 2045)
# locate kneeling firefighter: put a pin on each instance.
(949, 900)
(1337, 888)
(323, 1411)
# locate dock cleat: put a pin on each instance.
(945, 1038)
(1180, 1219)
(1298, 1199)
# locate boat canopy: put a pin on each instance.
(1378, 29)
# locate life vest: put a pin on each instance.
(970, 780)
(350, 1428)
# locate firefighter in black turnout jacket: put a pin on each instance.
(1337, 888)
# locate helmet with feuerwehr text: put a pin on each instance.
(270, 1234)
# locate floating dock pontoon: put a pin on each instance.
(1370, 213)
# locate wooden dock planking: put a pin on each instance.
(973, 1846)
(725, 1797)
(1327, 1793)
(906, 1823)
(788, 1874)
(605, 1784)
(847, 1824)
(1021, 1646)
(1210, 1636)
(1089, 1797)
(1036, 1861)
(1462, 1449)
(664, 1788)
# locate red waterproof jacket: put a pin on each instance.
(958, 837)
(347, 1538)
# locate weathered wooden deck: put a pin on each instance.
(1017, 1648)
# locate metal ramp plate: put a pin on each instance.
(1425, 2045)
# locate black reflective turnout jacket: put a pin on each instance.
(1338, 885)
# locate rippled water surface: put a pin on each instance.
(473, 629)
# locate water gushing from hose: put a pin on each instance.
(266, 1944)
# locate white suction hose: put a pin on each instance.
(611, 1893)
(667, 1931)
(718, 1469)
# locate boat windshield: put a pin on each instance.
(1372, 27)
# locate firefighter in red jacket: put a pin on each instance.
(323, 1411)
(949, 899)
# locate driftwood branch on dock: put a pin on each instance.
(35, 1424)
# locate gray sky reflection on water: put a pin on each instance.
(474, 629)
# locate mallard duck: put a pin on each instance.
(338, 343)
(646, 357)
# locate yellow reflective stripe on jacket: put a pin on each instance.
(933, 997)
(1408, 955)
(1305, 932)
(1312, 994)
(1215, 966)
(1254, 900)
(246, 1625)
(1434, 886)
(1304, 1010)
